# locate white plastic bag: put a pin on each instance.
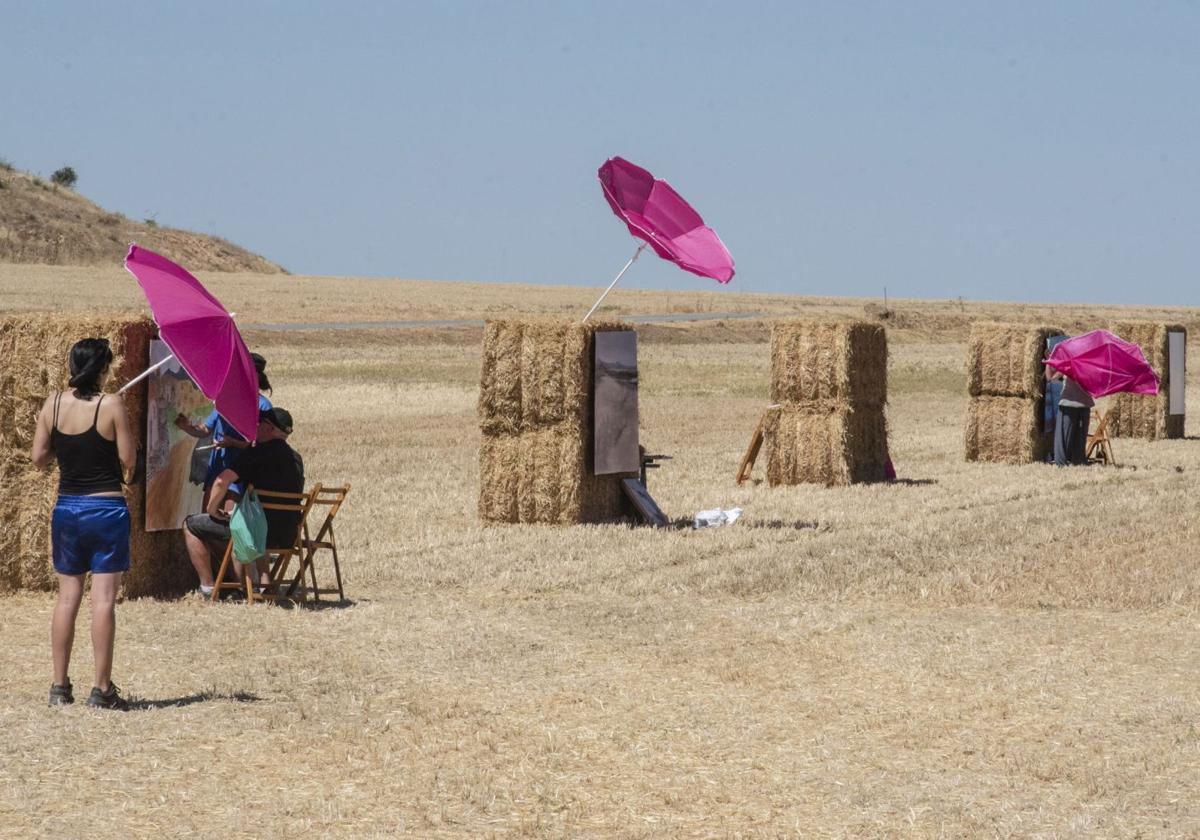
(716, 517)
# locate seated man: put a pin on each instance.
(271, 464)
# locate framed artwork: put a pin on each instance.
(175, 462)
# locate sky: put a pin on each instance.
(991, 151)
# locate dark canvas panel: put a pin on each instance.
(616, 403)
(644, 503)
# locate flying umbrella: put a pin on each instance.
(202, 335)
(657, 214)
(1104, 364)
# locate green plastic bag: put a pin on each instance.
(248, 529)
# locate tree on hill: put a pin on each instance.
(65, 177)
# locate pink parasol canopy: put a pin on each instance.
(1103, 364)
(201, 335)
(656, 213)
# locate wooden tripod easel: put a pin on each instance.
(1099, 445)
(756, 441)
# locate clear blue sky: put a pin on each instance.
(1012, 151)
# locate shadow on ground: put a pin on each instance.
(192, 699)
(783, 524)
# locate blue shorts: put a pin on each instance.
(90, 534)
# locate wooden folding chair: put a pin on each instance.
(325, 540)
(1099, 445)
(278, 558)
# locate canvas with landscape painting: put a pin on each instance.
(175, 462)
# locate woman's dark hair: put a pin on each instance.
(260, 365)
(89, 358)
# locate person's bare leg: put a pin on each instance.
(263, 567)
(198, 553)
(104, 624)
(62, 624)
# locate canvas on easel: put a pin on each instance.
(175, 462)
(1176, 363)
(615, 402)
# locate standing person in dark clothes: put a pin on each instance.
(271, 464)
(1071, 428)
(88, 433)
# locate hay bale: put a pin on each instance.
(828, 443)
(535, 413)
(1005, 360)
(10, 535)
(500, 378)
(35, 347)
(820, 361)
(1146, 416)
(536, 374)
(1006, 430)
(544, 477)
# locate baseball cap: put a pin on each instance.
(279, 418)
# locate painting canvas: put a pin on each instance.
(615, 393)
(1176, 354)
(175, 462)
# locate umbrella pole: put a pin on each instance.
(144, 374)
(600, 300)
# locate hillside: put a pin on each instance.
(48, 224)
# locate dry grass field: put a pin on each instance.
(973, 650)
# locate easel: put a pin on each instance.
(756, 442)
(650, 462)
(1099, 445)
(635, 490)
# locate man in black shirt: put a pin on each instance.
(271, 464)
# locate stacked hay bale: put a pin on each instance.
(829, 379)
(1146, 415)
(1006, 381)
(535, 412)
(35, 348)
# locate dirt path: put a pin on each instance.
(410, 325)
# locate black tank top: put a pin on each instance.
(87, 462)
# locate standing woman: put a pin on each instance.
(88, 433)
(227, 442)
(1071, 429)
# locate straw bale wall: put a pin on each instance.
(535, 413)
(828, 443)
(817, 361)
(35, 348)
(1006, 430)
(1146, 415)
(1005, 360)
(830, 381)
(1006, 381)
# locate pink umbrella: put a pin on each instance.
(202, 335)
(656, 213)
(1104, 364)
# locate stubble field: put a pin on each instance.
(972, 650)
